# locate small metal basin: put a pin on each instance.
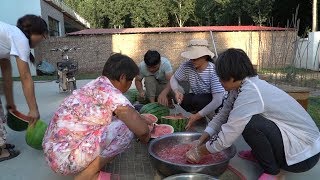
(167, 168)
(190, 176)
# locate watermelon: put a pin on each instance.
(150, 118)
(132, 95)
(17, 121)
(156, 109)
(34, 135)
(161, 130)
(178, 122)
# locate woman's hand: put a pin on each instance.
(204, 138)
(194, 155)
(11, 107)
(195, 143)
(193, 118)
(179, 96)
(34, 116)
(163, 99)
(142, 94)
(134, 122)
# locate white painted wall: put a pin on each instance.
(11, 11)
(47, 10)
(308, 52)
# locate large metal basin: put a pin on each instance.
(167, 168)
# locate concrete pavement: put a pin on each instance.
(30, 164)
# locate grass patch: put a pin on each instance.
(286, 70)
(314, 109)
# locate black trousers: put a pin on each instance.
(195, 102)
(265, 140)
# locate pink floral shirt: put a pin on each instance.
(88, 111)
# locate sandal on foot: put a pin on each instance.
(9, 146)
(265, 176)
(108, 176)
(104, 176)
(13, 154)
(247, 155)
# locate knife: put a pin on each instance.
(179, 109)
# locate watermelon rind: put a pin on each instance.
(35, 134)
(156, 109)
(15, 122)
(132, 95)
(177, 122)
(172, 130)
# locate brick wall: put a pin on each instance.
(265, 48)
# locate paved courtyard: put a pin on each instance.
(134, 164)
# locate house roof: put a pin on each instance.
(66, 10)
(176, 29)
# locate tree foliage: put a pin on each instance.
(161, 13)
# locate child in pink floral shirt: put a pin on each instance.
(95, 123)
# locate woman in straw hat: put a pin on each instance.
(206, 91)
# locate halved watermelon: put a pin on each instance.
(178, 122)
(17, 121)
(161, 129)
(156, 109)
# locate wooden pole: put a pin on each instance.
(314, 16)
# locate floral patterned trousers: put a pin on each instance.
(2, 128)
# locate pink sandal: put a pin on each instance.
(247, 155)
(265, 176)
(108, 176)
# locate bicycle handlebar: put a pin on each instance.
(65, 49)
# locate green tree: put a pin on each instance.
(204, 12)
(238, 8)
(90, 9)
(116, 11)
(157, 13)
(182, 10)
(259, 10)
(138, 12)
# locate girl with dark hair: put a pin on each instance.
(95, 123)
(280, 132)
(16, 41)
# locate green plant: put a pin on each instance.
(314, 109)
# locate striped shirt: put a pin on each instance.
(204, 82)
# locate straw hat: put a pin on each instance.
(197, 48)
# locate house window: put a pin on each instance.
(54, 27)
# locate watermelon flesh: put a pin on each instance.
(150, 118)
(35, 134)
(178, 122)
(156, 109)
(161, 130)
(177, 154)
